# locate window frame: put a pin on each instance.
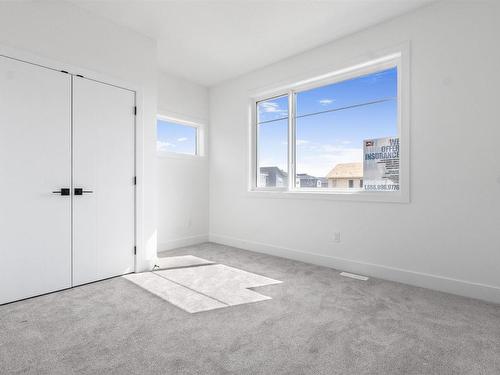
(397, 59)
(199, 144)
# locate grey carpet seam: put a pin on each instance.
(193, 290)
(180, 267)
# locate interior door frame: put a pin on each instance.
(31, 58)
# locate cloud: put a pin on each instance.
(375, 77)
(318, 159)
(326, 101)
(164, 146)
(271, 107)
(334, 150)
(324, 158)
(182, 139)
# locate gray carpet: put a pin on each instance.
(317, 323)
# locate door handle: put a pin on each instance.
(80, 191)
(62, 191)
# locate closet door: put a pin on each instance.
(35, 163)
(103, 167)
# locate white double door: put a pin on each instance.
(67, 194)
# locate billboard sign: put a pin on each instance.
(381, 164)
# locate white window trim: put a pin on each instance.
(399, 59)
(200, 138)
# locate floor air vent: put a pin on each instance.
(354, 276)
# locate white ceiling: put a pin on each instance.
(211, 41)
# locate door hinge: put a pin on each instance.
(135, 250)
(135, 180)
(64, 71)
(135, 110)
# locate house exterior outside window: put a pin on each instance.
(303, 180)
(273, 176)
(346, 175)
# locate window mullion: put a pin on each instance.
(256, 146)
(291, 140)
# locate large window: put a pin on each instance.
(174, 137)
(337, 135)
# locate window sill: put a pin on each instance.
(345, 195)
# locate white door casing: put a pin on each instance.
(35, 160)
(104, 163)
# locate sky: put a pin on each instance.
(326, 139)
(172, 137)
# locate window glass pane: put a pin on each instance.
(177, 138)
(272, 109)
(368, 88)
(272, 142)
(331, 146)
(272, 154)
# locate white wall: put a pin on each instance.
(448, 237)
(183, 180)
(62, 32)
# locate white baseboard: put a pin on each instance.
(444, 284)
(181, 242)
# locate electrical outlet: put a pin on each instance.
(336, 237)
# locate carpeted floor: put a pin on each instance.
(316, 323)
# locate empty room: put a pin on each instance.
(215, 187)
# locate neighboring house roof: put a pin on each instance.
(347, 170)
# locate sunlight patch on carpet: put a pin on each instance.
(195, 284)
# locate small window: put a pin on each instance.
(351, 184)
(177, 138)
(272, 140)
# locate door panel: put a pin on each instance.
(35, 159)
(103, 162)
